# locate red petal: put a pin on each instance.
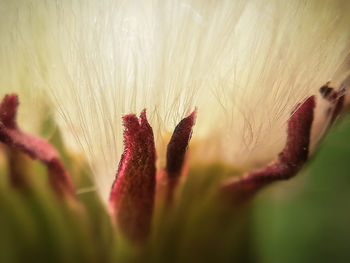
(8, 111)
(289, 161)
(132, 196)
(35, 147)
(176, 152)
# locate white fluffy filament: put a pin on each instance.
(244, 64)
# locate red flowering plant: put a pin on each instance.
(172, 197)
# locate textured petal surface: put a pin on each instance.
(244, 64)
(35, 147)
(176, 152)
(289, 161)
(132, 196)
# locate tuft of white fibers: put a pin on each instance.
(244, 64)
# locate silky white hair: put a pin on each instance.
(244, 64)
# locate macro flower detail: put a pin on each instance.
(133, 192)
(176, 153)
(289, 161)
(296, 151)
(132, 196)
(35, 147)
(239, 95)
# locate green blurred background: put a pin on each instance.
(307, 219)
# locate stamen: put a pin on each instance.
(35, 147)
(289, 161)
(132, 196)
(176, 152)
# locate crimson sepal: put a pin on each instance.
(35, 147)
(176, 152)
(132, 196)
(289, 161)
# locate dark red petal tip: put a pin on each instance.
(8, 110)
(298, 139)
(289, 161)
(132, 196)
(35, 147)
(176, 151)
(178, 145)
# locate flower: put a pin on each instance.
(242, 62)
(266, 77)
